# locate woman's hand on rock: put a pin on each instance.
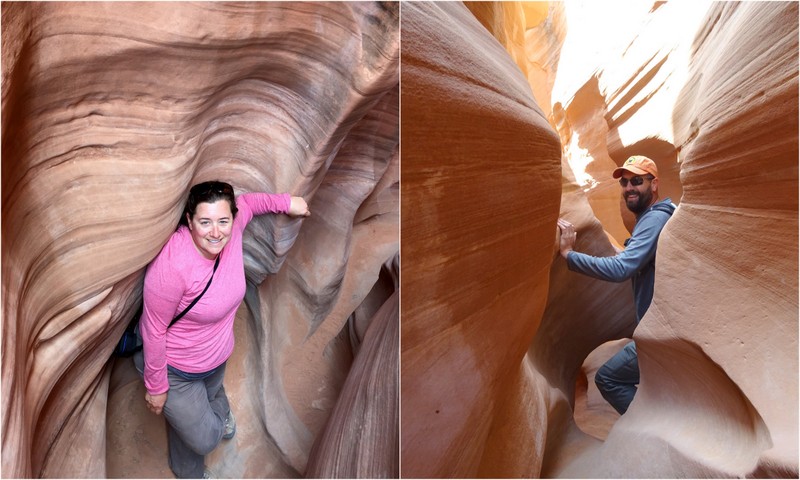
(299, 207)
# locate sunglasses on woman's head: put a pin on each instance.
(635, 181)
(213, 187)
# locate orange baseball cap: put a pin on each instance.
(638, 165)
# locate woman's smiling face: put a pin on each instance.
(211, 227)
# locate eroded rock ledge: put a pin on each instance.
(111, 111)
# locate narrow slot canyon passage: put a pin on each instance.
(137, 439)
(545, 100)
(111, 112)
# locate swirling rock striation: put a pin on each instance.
(716, 105)
(364, 424)
(111, 111)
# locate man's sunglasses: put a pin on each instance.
(635, 181)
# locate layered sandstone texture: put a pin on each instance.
(110, 112)
(709, 90)
(480, 192)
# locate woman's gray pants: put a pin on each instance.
(195, 412)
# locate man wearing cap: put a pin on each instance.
(638, 176)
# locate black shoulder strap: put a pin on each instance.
(186, 310)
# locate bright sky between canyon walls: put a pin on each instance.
(596, 34)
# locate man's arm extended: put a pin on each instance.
(640, 250)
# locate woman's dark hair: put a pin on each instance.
(208, 192)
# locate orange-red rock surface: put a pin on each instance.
(709, 90)
(718, 348)
(481, 182)
(110, 112)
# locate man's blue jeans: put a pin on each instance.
(618, 377)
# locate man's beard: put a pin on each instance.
(640, 202)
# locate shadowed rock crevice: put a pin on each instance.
(365, 421)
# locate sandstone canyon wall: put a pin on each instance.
(686, 99)
(110, 112)
(480, 194)
(709, 90)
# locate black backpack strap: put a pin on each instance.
(186, 310)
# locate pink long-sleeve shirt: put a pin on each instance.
(203, 338)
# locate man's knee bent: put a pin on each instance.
(602, 379)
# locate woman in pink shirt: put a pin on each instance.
(184, 364)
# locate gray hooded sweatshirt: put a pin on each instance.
(637, 261)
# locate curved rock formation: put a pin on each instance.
(111, 111)
(533, 33)
(480, 192)
(365, 420)
(714, 102)
(716, 399)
